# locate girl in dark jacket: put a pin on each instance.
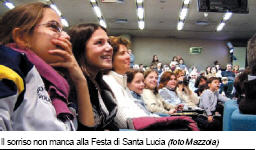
(93, 53)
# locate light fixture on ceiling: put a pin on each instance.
(53, 6)
(141, 24)
(226, 17)
(140, 14)
(183, 14)
(205, 14)
(139, 1)
(98, 13)
(103, 23)
(180, 25)
(186, 2)
(9, 5)
(220, 26)
(64, 22)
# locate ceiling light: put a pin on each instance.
(139, 1)
(205, 14)
(227, 16)
(141, 24)
(186, 2)
(140, 13)
(93, 1)
(183, 13)
(220, 26)
(180, 25)
(64, 22)
(9, 5)
(53, 6)
(103, 23)
(97, 11)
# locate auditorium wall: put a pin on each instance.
(166, 48)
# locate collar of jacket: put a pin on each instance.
(121, 79)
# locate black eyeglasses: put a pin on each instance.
(53, 25)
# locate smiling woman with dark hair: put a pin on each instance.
(93, 52)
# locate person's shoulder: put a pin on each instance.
(107, 77)
(163, 90)
(146, 91)
(207, 92)
(15, 61)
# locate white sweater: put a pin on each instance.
(127, 108)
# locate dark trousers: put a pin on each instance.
(215, 125)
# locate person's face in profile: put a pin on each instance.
(172, 83)
(98, 51)
(121, 60)
(129, 51)
(137, 84)
(48, 35)
(214, 85)
(151, 80)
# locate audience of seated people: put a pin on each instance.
(228, 73)
(105, 85)
(129, 111)
(177, 91)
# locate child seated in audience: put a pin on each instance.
(210, 97)
(135, 83)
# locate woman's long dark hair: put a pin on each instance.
(79, 36)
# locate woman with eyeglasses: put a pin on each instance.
(34, 94)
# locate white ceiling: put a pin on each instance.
(161, 17)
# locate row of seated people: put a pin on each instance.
(43, 69)
(172, 96)
(226, 76)
(178, 63)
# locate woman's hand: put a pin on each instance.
(179, 107)
(180, 87)
(187, 90)
(64, 50)
(210, 119)
(172, 111)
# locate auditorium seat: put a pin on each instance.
(233, 120)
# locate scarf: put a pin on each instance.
(58, 87)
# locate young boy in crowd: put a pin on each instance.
(210, 97)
